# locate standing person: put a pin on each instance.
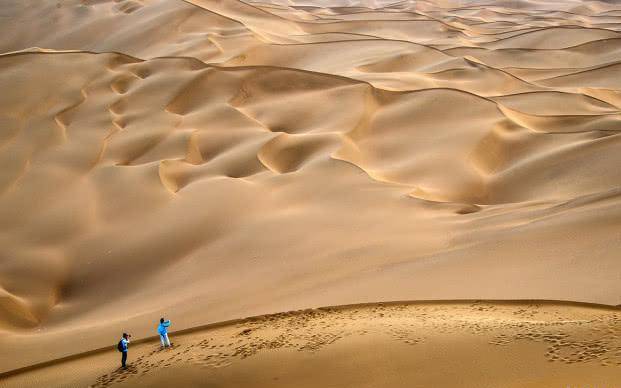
(162, 329)
(122, 346)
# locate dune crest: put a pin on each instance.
(371, 345)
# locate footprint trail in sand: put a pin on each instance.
(551, 337)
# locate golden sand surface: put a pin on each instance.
(428, 344)
(208, 160)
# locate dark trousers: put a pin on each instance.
(123, 359)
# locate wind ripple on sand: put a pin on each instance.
(546, 337)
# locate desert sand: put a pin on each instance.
(425, 344)
(210, 160)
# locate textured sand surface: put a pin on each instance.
(208, 160)
(441, 344)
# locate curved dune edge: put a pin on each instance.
(486, 146)
(469, 315)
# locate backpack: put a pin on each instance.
(119, 346)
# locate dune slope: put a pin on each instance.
(208, 160)
(465, 344)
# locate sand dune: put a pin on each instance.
(208, 160)
(395, 344)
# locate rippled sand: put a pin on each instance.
(433, 344)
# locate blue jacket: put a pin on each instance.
(124, 343)
(163, 327)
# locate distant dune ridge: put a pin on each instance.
(210, 160)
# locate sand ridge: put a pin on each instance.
(552, 336)
(217, 159)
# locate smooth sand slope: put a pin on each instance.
(436, 344)
(209, 160)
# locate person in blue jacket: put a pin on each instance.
(162, 329)
(122, 346)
